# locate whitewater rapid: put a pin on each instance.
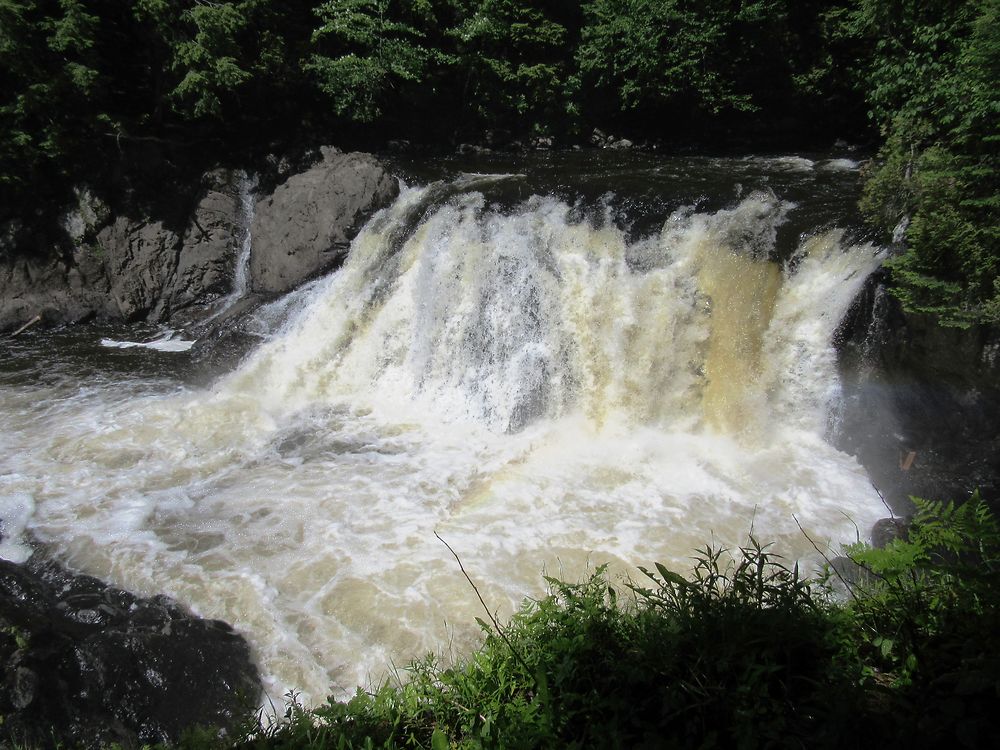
(542, 391)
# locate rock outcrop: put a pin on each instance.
(921, 402)
(306, 225)
(119, 267)
(123, 264)
(86, 664)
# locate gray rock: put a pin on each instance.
(910, 385)
(153, 272)
(140, 259)
(887, 530)
(132, 268)
(57, 290)
(305, 226)
(87, 217)
(599, 138)
(209, 246)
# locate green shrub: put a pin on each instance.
(928, 616)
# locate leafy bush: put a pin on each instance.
(746, 653)
(928, 617)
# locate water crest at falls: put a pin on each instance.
(540, 389)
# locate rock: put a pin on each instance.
(207, 256)
(887, 530)
(130, 265)
(465, 149)
(57, 290)
(87, 217)
(621, 144)
(154, 272)
(599, 138)
(88, 664)
(305, 226)
(140, 258)
(913, 387)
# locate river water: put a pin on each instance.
(552, 363)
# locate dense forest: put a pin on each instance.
(91, 89)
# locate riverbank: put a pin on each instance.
(86, 664)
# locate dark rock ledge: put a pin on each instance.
(86, 664)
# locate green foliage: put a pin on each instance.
(652, 54)
(513, 60)
(928, 614)
(217, 53)
(713, 61)
(86, 83)
(744, 653)
(932, 92)
(368, 48)
(48, 60)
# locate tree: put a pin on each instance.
(365, 51)
(514, 61)
(933, 94)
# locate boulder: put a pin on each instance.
(304, 228)
(154, 271)
(139, 260)
(56, 289)
(87, 664)
(209, 246)
(887, 530)
(169, 262)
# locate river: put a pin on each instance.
(552, 362)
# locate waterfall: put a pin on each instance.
(241, 273)
(246, 195)
(506, 319)
(540, 388)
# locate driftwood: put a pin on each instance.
(27, 325)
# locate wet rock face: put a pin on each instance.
(86, 663)
(154, 271)
(124, 267)
(921, 402)
(306, 225)
(122, 264)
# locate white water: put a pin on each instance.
(166, 342)
(542, 393)
(247, 185)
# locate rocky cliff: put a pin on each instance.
(921, 402)
(117, 262)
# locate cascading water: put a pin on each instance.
(539, 389)
(247, 187)
(241, 272)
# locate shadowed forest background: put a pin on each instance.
(94, 90)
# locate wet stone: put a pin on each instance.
(116, 669)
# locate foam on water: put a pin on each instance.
(543, 393)
(167, 342)
(15, 511)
